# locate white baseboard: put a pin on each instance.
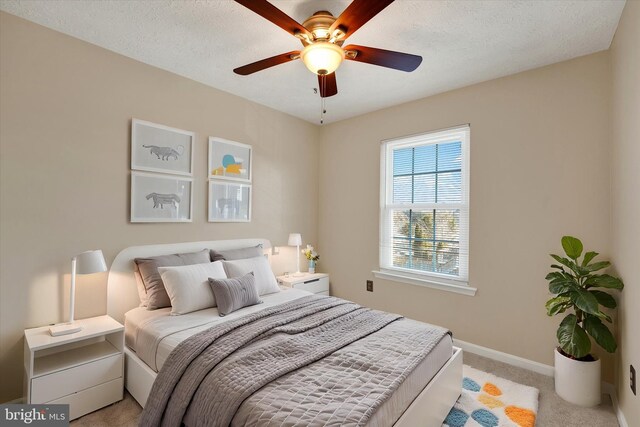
(507, 358)
(611, 391)
(538, 367)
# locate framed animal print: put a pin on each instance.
(158, 148)
(229, 160)
(229, 202)
(161, 198)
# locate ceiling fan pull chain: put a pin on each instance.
(324, 110)
(323, 88)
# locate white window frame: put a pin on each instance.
(460, 283)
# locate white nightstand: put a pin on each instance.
(317, 283)
(84, 370)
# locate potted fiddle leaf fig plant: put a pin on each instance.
(578, 289)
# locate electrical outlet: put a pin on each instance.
(370, 285)
(632, 379)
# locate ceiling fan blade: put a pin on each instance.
(327, 84)
(266, 63)
(275, 15)
(384, 58)
(358, 13)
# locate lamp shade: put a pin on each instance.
(90, 262)
(295, 239)
(322, 57)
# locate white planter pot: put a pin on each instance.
(577, 382)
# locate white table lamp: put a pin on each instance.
(295, 239)
(85, 263)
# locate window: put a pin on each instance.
(424, 218)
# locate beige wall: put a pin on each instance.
(625, 173)
(539, 170)
(65, 111)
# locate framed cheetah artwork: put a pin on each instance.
(229, 160)
(158, 148)
(161, 198)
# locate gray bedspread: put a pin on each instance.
(304, 362)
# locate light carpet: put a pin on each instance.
(491, 401)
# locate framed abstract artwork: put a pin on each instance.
(229, 202)
(229, 160)
(158, 148)
(161, 198)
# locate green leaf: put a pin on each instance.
(604, 299)
(572, 247)
(559, 267)
(572, 338)
(561, 282)
(600, 333)
(560, 309)
(557, 305)
(565, 261)
(585, 301)
(554, 275)
(562, 287)
(604, 316)
(588, 257)
(560, 278)
(572, 265)
(603, 281)
(598, 266)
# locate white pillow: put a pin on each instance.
(265, 279)
(188, 285)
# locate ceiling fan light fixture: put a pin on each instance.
(322, 57)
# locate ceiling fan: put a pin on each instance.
(322, 36)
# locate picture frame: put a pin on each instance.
(162, 149)
(229, 160)
(161, 198)
(229, 201)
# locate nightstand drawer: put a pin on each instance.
(89, 400)
(314, 285)
(61, 383)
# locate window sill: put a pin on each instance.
(429, 283)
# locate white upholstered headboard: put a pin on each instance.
(122, 294)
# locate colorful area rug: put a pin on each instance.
(490, 401)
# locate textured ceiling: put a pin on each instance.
(461, 42)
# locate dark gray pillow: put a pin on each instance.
(242, 253)
(148, 267)
(234, 293)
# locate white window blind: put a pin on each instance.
(424, 218)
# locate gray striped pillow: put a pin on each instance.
(234, 293)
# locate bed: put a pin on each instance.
(422, 399)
